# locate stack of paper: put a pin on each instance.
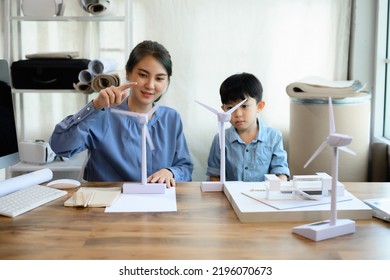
(93, 197)
(316, 87)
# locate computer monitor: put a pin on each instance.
(9, 152)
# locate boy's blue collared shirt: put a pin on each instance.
(250, 162)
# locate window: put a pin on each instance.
(386, 125)
(382, 83)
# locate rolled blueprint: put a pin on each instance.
(83, 87)
(97, 76)
(24, 181)
(100, 66)
(103, 81)
(85, 76)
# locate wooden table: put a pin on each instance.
(204, 227)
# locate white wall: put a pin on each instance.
(280, 41)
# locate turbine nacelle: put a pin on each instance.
(224, 117)
(339, 140)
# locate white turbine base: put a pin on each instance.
(211, 186)
(323, 230)
(138, 188)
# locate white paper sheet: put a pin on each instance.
(283, 204)
(145, 202)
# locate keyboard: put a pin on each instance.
(19, 202)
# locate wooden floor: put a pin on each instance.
(204, 227)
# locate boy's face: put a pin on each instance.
(245, 116)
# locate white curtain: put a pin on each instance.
(279, 41)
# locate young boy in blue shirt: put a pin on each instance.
(253, 149)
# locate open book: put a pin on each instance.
(316, 87)
(93, 197)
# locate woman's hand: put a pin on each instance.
(163, 176)
(112, 96)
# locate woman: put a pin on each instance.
(114, 140)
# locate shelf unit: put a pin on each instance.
(13, 19)
(14, 23)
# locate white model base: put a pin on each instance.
(323, 230)
(152, 188)
(211, 186)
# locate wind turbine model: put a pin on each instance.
(144, 187)
(334, 227)
(222, 118)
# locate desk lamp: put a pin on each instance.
(222, 118)
(144, 187)
(334, 227)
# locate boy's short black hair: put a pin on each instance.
(241, 86)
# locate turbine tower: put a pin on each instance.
(144, 187)
(222, 118)
(332, 227)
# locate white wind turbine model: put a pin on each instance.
(334, 227)
(143, 187)
(222, 118)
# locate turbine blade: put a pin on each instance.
(207, 107)
(128, 113)
(332, 125)
(347, 150)
(316, 153)
(236, 106)
(149, 139)
(155, 107)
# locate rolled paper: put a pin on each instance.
(83, 87)
(85, 76)
(95, 7)
(100, 66)
(24, 181)
(103, 81)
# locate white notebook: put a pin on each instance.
(380, 207)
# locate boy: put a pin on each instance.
(252, 148)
